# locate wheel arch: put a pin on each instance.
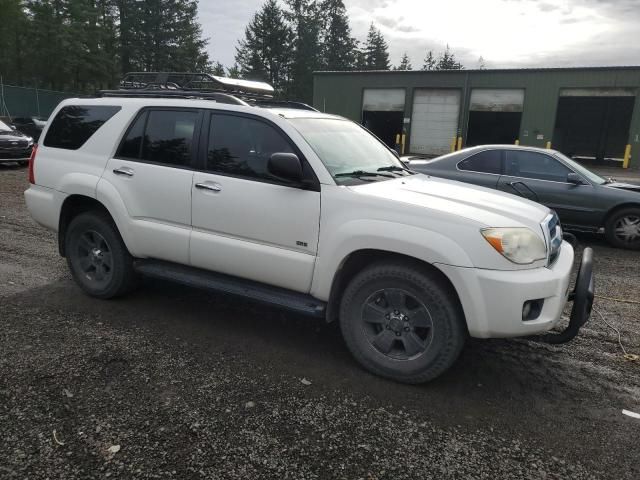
(359, 259)
(73, 206)
(618, 207)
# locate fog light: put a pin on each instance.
(531, 309)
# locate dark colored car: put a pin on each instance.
(15, 146)
(584, 201)
(30, 126)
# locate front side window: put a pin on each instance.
(345, 147)
(242, 146)
(535, 165)
(73, 125)
(161, 136)
(488, 161)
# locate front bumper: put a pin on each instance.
(493, 300)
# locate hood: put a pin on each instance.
(12, 135)
(624, 186)
(484, 206)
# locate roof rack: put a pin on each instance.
(199, 86)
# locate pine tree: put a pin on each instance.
(376, 50)
(405, 63)
(218, 69)
(265, 51)
(234, 71)
(481, 64)
(304, 17)
(447, 61)
(429, 61)
(339, 48)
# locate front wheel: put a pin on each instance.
(623, 228)
(402, 322)
(97, 257)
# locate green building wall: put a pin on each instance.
(341, 93)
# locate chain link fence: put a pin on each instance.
(29, 102)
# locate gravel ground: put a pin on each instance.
(173, 382)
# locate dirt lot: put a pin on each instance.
(172, 382)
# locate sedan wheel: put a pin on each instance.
(623, 229)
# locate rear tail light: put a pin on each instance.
(32, 161)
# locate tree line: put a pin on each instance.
(284, 43)
(84, 45)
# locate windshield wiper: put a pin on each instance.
(394, 168)
(362, 173)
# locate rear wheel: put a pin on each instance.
(402, 322)
(97, 256)
(623, 228)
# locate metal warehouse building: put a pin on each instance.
(587, 113)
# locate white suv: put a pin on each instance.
(306, 211)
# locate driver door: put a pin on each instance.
(543, 178)
(246, 222)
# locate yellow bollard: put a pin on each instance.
(548, 145)
(404, 137)
(627, 156)
(453, 144)
(517, 141)
(459, 143)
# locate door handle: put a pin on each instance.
(214, 187)
(124, 171)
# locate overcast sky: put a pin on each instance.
(506, 33)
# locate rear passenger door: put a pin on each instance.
(483, 168)
(152, 172)
(246, 222)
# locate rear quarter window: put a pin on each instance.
(73, 125)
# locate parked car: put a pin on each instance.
(30, 126)
(306, 211)
(584, 201)
(14, 145)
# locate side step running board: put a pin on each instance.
(194, 277)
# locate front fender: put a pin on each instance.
(420, 243)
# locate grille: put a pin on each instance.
(554, 232)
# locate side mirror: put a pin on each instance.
(286, 166)
(574, 178)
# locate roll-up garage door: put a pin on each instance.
(434, 121)
(494, 116)
(383, 111)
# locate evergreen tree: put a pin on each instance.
(376, 50)
(429, 61)
(234, 71)
(481, 64)
(264, 53)
(339, 48)
(218, 69)
(304, 17)
(405, 63)
(447, 61)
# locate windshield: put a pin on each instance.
(4, 126)
(592, 177)
(345, 147)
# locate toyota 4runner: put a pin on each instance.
(302, 210)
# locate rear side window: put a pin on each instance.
(241, 146)
(75, 124)
(161, 136)
(488, 161)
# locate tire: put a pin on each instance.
(622, 228)
(402, 322)
(97, 257)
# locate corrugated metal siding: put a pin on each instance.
(341, 93)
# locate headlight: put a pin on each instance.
(30, 141)
(519, 245)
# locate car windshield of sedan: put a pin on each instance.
(349, 151)
(597, 179)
